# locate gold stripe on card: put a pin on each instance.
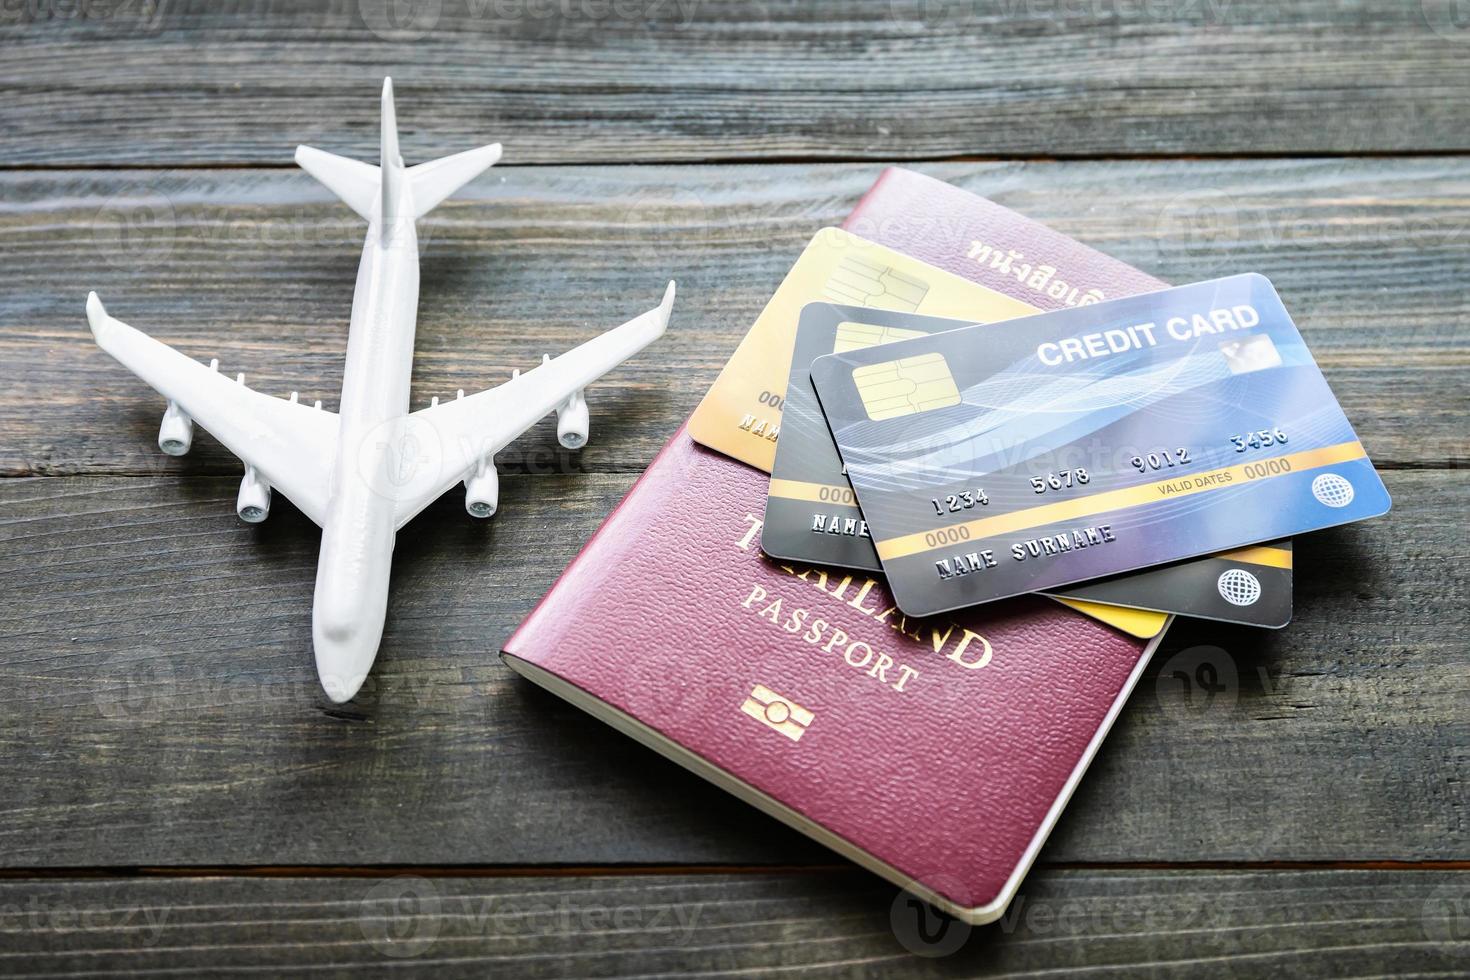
(1259, 555)
(817, 493)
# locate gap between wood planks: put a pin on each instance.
(835, 160)
(641, 870)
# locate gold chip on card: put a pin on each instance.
(859, 281)
(908, 386)
(856, 336)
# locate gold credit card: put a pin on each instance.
(740, 416)
(1142, 623)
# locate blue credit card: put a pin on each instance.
(1091, 441)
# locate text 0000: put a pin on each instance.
(947, 535)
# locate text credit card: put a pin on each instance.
(1092, 441)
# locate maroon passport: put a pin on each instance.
(937, 753)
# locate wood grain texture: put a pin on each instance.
(1210, 924)
(257, 268)
(185, 81)
(158, 703)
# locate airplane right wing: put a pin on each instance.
(460, 434)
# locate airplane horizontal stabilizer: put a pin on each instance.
(356, 183)
(432, 182)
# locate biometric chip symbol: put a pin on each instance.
(778, 712)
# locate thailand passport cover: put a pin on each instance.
(937, 753)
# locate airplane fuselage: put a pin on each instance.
(351, 599)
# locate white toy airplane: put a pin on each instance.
(365, 472)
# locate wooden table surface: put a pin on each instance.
(176, 793)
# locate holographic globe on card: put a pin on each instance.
(1239, 587)
(1332, 490)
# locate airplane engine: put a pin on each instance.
(572, 422)
(482, 490)
(253, 503)
(176, 434)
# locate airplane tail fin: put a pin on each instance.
(390, 170)
(361, 185)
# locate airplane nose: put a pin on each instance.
(345, 650)
(350, 606)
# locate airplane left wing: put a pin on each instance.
(292, 446)
(460, 434)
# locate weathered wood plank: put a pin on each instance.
(1195, 923)
(158, 703)
(185, 81)
(257, 269)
